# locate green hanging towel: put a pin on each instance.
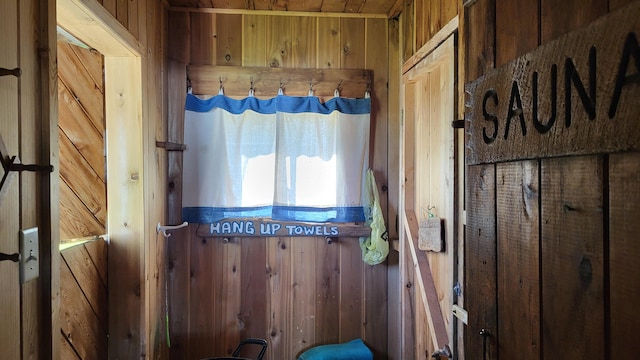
(375, 248)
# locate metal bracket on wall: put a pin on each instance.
(11, 165)
(457, 124)
(13, 72)
(10, 257)
(171, 146)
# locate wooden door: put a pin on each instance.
(553, 185)
(429, 156)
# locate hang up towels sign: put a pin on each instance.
(267, 227)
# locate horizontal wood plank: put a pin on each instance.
(268, 227)
(266, 81)
(325, 13)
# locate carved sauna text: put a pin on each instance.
(572, 81)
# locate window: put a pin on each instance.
(285, 158)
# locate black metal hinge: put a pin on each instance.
(457, 124)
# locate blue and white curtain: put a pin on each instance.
(285, 158)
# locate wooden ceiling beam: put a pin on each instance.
(277, 13)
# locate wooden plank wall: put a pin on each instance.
(423, 19)
(10, 298)
(83, 307)
(549, 241)
(83, 196)
(295, 292)
(30, 123)
(24, 126)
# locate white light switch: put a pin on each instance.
(29, 256)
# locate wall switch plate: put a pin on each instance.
(29, 256)
(460, 313)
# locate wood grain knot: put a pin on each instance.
(586, 271)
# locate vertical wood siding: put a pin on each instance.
(295, 292)
(623, 248)
(10, 207)
(24, 127)
(550, 241)
(422, 19)
(517, 199)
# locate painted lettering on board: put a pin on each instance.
(246, 227)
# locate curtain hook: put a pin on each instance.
(251, 92)
(221, 91)
(336, 92)
(280, 89)
(310, 87)
(367, 92)
(189, 88)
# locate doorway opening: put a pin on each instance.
(122, 148)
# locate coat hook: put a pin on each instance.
(221, 90)
(336, 92)
(311, 87)
(330, 240)
(14, 72)
(12, 163)
(281, 88)
(163, 228)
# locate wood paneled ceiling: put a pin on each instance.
(389, 8)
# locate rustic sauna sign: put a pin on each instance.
(267, 227)
(577, 95)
